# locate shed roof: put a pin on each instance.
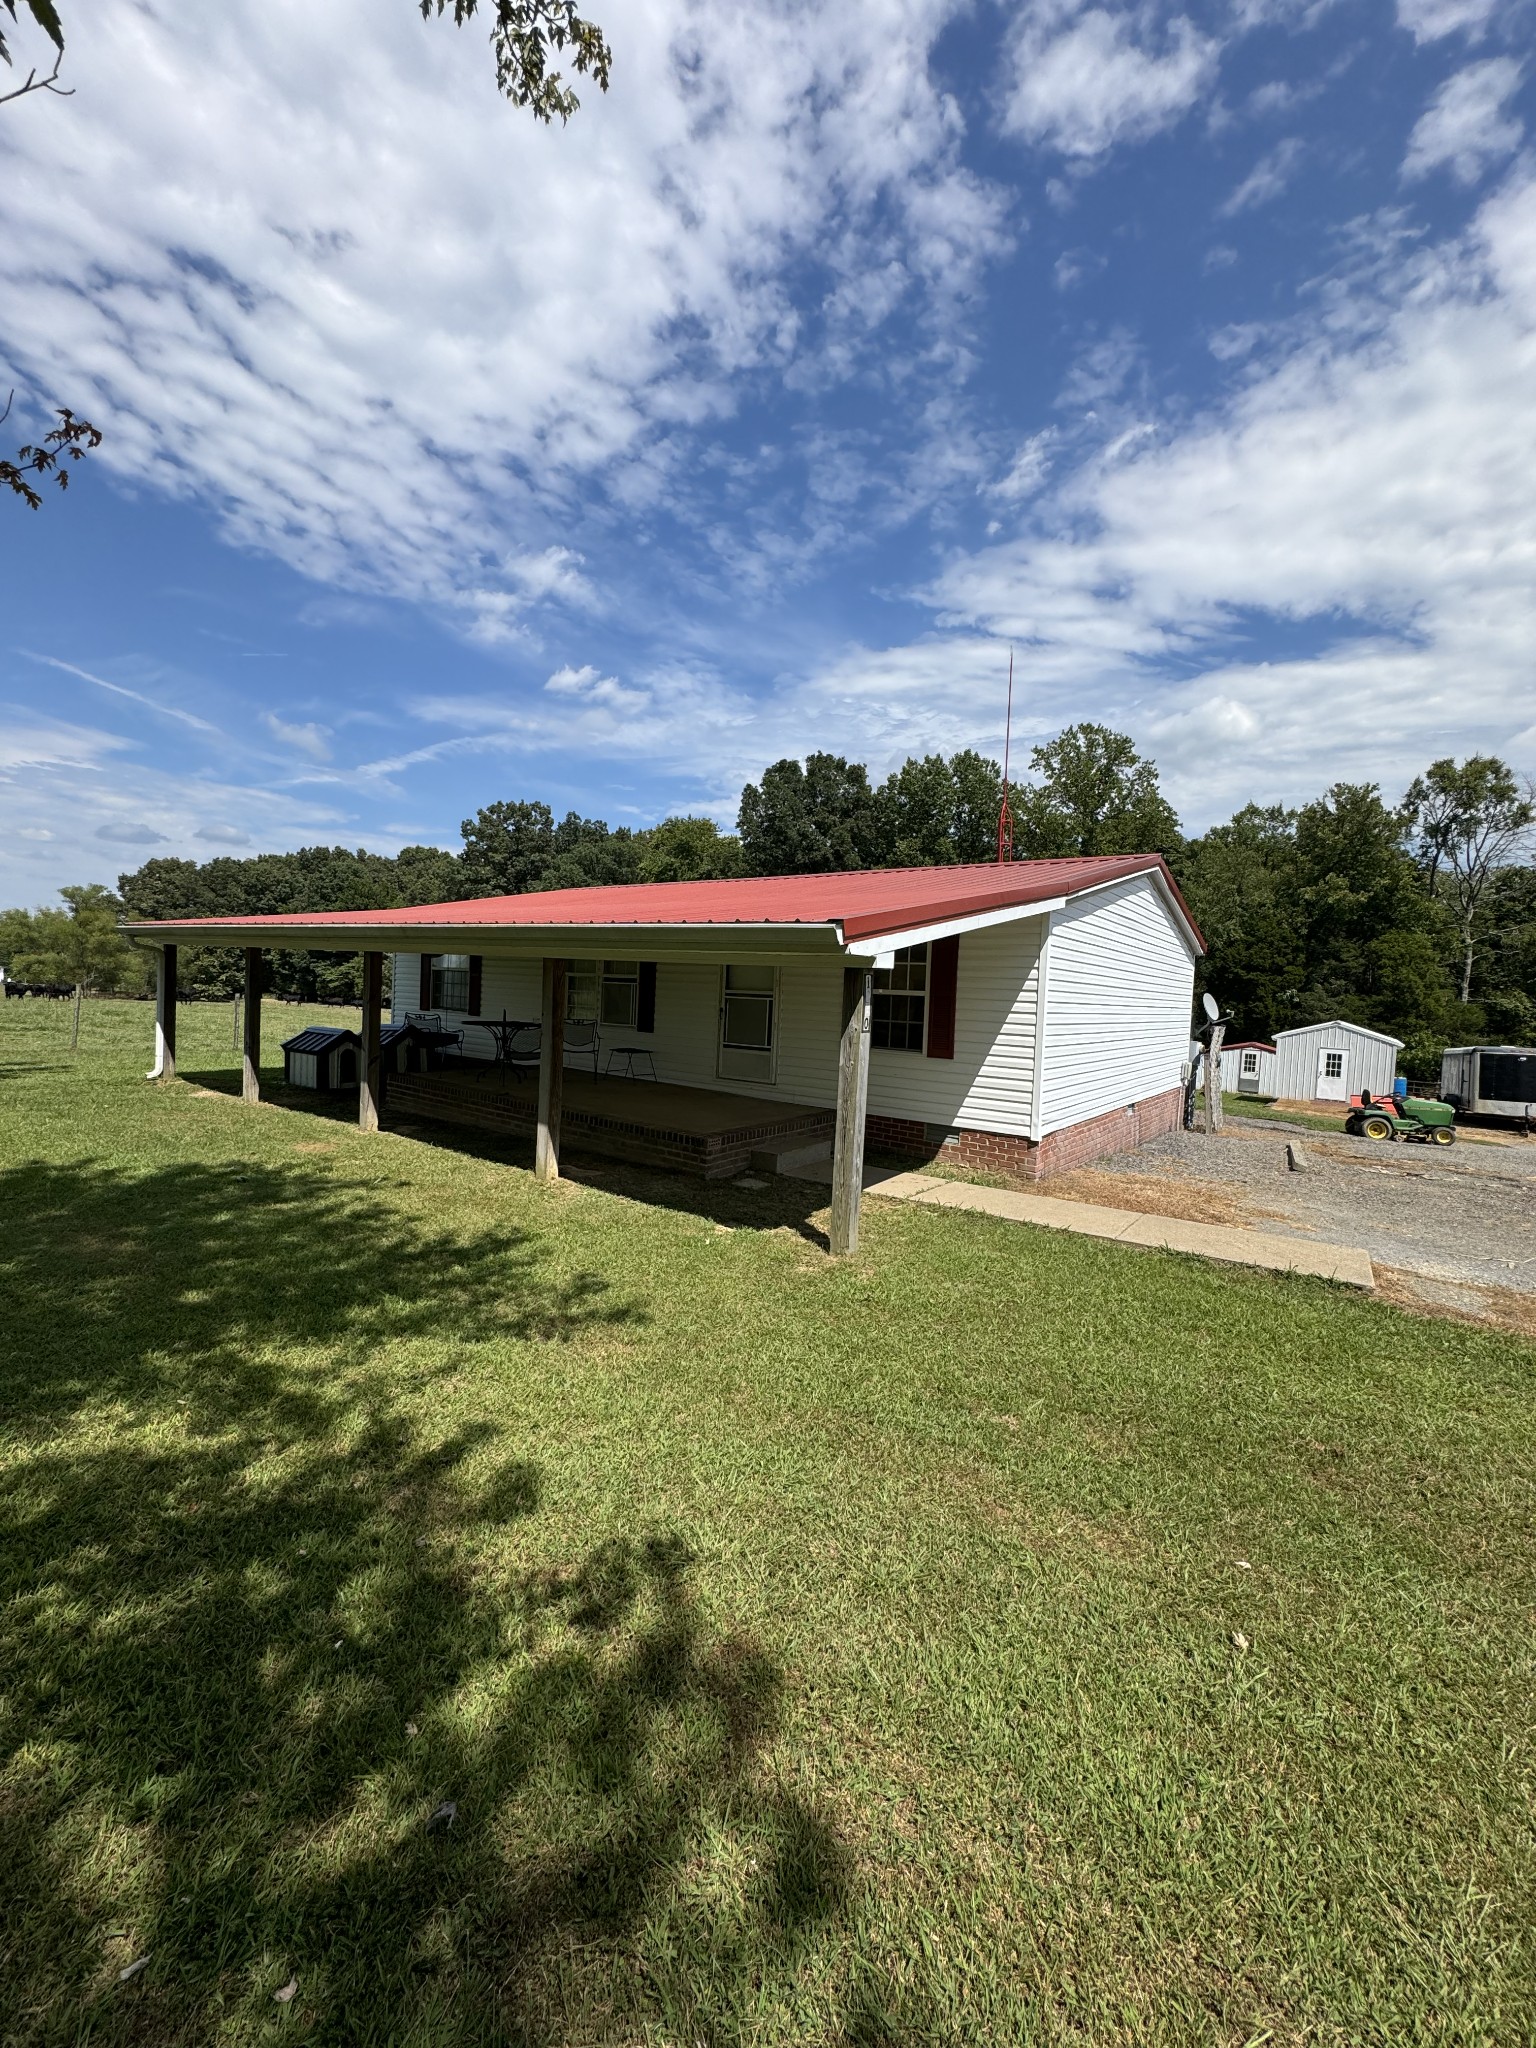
(863, 906)
(1340, 1024)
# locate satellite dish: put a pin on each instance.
(1212, 1007)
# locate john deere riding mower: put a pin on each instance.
(1413, 1119)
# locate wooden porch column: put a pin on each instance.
(852, 1103)
(546, 1149)
(164, 1068)
(250, 1079)
(370, 1082)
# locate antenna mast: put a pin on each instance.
(1005, 814)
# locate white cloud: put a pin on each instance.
(68, 668)
(128, 834)
(222, 835)
(1373, 486)
(309, 738)
(1466, 126)
(1428, 20)
(1029, 468)
(338, 287)
(1268, 178)
(1085, 79)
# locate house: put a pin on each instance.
(1332, 1062)
(1250, 1065)
(1029, 1016)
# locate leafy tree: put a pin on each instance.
(523, 35)
(1241, 882)
(50, 457)
(1468, 820)
(809, 821)
(688, 850)
(933, 812)
(507, 847)
(1375, 939)
(80, 944)
(426, 874)
(1096, 795)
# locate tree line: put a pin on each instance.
(1415, 916)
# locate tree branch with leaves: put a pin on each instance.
(46, 15)
(50, 457)
(524, 36)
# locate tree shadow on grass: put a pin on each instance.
(252, 1643)
(109, 1278)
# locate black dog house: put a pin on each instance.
(328, 1056)
(324, 1057)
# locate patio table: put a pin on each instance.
(503, 1031)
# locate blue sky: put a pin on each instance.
(1189, 351)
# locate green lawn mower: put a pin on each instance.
(1410, 1119)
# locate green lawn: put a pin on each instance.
(1003, 1637)
(1269, 1112)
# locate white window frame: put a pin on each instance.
(736, 1063)
(905, 1051)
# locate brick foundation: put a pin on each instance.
(1118, 1130)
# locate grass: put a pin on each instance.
(1002, 1637)
(1272, 1112)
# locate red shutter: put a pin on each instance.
(474, 984)
(943, 981)
(645, 997)
(424, 993)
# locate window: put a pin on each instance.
(1250, 1063)
(748, 1021)
(1333, 1065)
(748, 1017)
(603, 992)
(900, 1002)
(450, 983)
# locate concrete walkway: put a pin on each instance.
(1126, 1226)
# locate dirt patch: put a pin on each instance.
(1459, 1301)
(1189, 1202)
(316, 1145)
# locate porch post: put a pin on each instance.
(164, 1068)
(546, 1150)
(250, 1079)
(371, 1079)
(852, 1103)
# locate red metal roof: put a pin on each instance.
(866, 904)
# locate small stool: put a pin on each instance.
(628, 1054)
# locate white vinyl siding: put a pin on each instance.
(1120, 988)
(987, 1086)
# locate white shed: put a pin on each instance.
(1249, 1067)
(1332, 1062)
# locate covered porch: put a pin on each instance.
(709, 1133)
(705, 1132)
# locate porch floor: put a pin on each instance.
(704, 1131)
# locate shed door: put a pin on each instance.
(1332, 1075)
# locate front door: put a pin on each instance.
(1332, 1076)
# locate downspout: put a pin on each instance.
(1042, 988)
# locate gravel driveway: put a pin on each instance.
(1455, 1226)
